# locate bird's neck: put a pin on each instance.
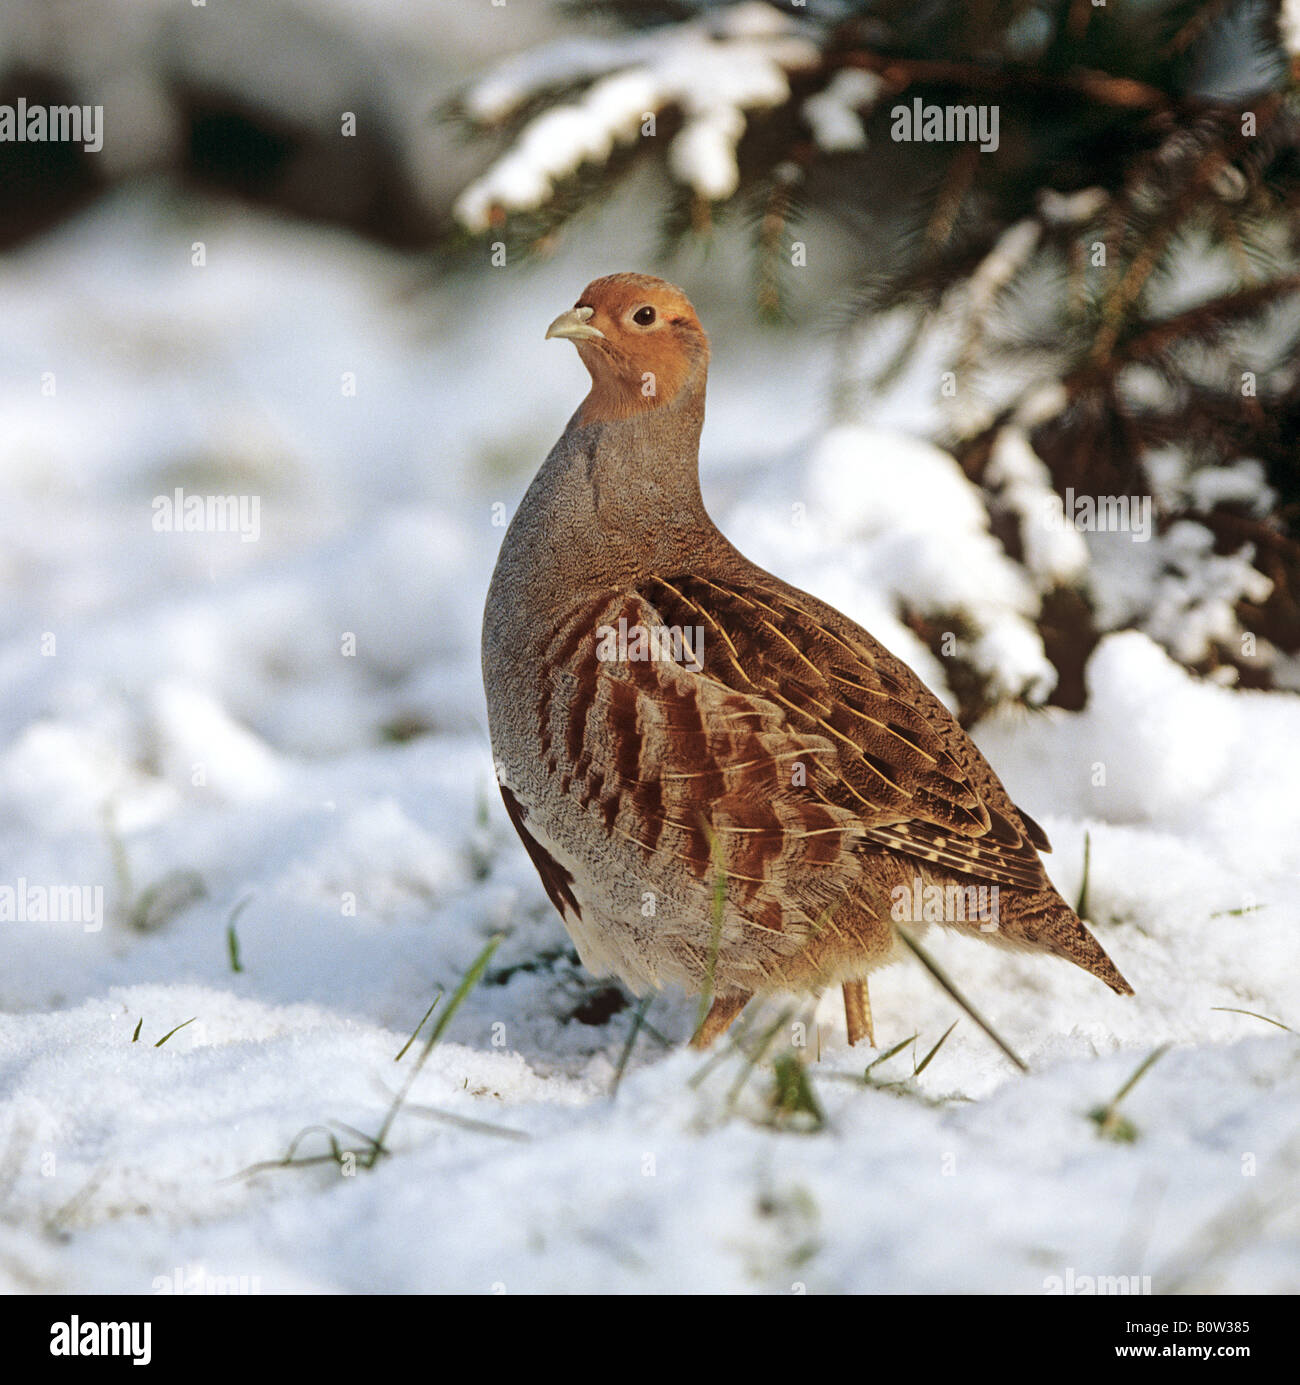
(617, 497)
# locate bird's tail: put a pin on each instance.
(1045, 922)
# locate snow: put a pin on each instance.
(1197, 592)
(1241, 484)
(833, 113)
(703, 153)
(1072, 208)
(199, 721)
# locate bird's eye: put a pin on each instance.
(643, 317)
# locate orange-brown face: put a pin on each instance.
(640, 340)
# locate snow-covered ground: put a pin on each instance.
(288, 732)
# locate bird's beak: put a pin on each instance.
(574, 325)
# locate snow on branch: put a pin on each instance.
(834, 114)
(1288, 24)
(1055, 553)
(713, 69)
(923, 531)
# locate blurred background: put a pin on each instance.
(1016, 385)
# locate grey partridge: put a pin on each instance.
(722, 781)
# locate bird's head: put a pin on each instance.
(640, 341)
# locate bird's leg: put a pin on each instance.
(722, 1012)
(857, 1012)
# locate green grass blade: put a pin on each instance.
(1232, 1010)
(1108, 1119)
(925, 1062)
(949, 985)
(232, 937)
(638, 1019)
(716, 910)
(178, 1028)
(423, 1021)
(888, 1054)
(471, 979)
(1081, 904)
